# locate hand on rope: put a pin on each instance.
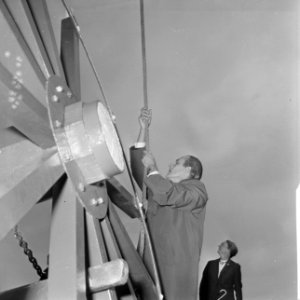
(145, 117)
(149, 161)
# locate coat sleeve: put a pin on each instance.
(203, 290)
(188, 195)
(137, 167)
(238, 283)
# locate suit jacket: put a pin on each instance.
(175, 218)
(229, 279)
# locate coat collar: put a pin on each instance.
(228, 263)
(225, 268)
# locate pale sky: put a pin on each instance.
(222, 84)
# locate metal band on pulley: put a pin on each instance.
(87, 143)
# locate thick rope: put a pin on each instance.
(145, 93)
(142, 237)
(138, 203)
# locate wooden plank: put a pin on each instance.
(120, 196)
(22, 186)
(114, 253)
(70, 56)
(39, 11)
(26, 113)
(46, 60)
(67, 271)
(10, 136)
(138, 272)
(35, 291)
(22, 42)
(96, 253)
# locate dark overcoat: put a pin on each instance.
(230, 279)
(175, 218)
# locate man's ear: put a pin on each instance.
(188, 169)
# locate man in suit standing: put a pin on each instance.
(221, 278)
(175, 216)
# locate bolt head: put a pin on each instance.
(59, 88)
(81, 187)
(55, 98)
(57, 123)
(97, 202)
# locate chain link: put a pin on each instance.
(28, 252)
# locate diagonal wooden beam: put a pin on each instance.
(26, 113)
(67, 270)
(33, 25)
(10, 136)
(34, 291)
(120, 196)
(43, 25)
(23, 186)
(138, 272)
(70, 55)
(21, 40)
(96, 252)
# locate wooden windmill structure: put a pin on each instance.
(73, 154)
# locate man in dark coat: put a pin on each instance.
(221, 278)
(175, 216)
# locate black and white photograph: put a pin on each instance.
(149, 150)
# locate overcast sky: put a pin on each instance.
(222, 84)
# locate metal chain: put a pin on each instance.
(28, 252)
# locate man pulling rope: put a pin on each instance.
(175, 216)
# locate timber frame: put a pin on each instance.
(90, 252)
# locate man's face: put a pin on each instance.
(224, 251)
(177, 170)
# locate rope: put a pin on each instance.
(141, 243)
(144, 195)
(138, 203)
(145, 93)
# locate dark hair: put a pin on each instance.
(196, 166)
(232, 248)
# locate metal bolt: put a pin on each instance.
(96, 202)
(57, 123)
(69, 94)
(55, 98)
(81, 187)
(59, 88)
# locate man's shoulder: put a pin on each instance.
(195, 184)
(213, 261)
(235, 264)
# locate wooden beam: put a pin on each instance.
(26, 113)
(10, 136)
(22, 186)
(70, 56)
(40, 14)
(46, 60)
(120, 196)
(21, 40)
(114, 253)
(99, 278)
(67, 271)
(96, 253)
(137, 270)
(34, 291)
